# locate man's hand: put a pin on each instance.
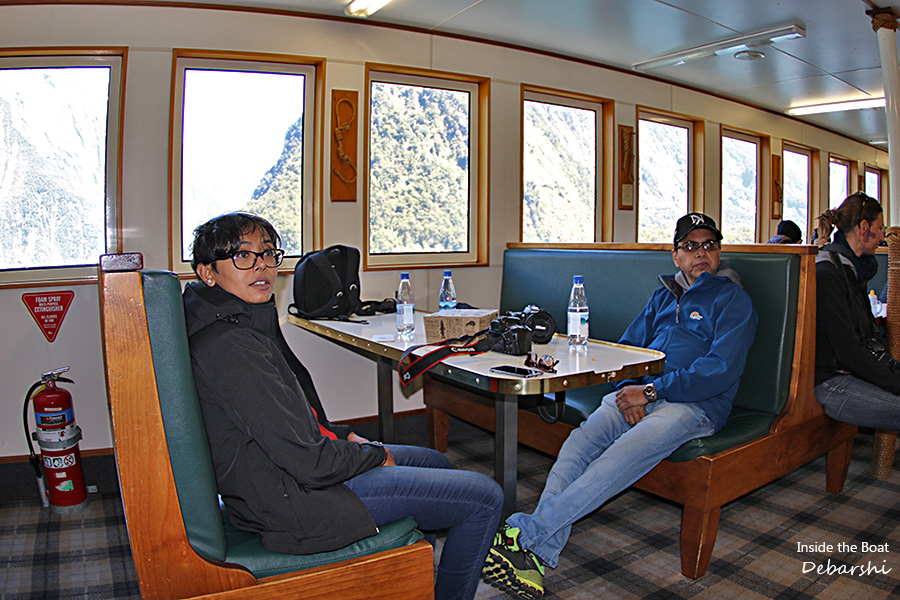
(630, 400)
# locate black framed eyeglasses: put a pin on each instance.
(545, 363)
(692, 246)
(246, 259)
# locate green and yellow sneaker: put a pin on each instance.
(512, 568)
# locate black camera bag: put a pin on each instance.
(326, 284)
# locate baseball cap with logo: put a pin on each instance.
(692, 221)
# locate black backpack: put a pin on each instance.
(326, 284)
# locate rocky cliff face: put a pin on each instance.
(52, 166)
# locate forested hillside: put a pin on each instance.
(418, 170)
(559, 163)
(277, 194)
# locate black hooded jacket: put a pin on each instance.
(277, 474)
(844, 318)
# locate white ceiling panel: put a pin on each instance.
(838, 59)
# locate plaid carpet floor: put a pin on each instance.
(628, 549)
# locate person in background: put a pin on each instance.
(283, 470)
(788, 233)
(857, 380)
(705, 323)
(820, 240)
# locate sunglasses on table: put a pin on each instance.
(545, 363)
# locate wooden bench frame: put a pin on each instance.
(800, 433)
(167, 566)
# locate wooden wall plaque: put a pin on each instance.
(626, 167)
(344, 156)
(777, 189)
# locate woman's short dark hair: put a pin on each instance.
(853, 210)
(220, 237)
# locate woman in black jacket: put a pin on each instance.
(857, 380)
(283, 470)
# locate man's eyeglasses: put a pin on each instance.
(691, 246)
(246, 259)
(546, 363)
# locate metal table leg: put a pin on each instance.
(385, 400)
(505, 448)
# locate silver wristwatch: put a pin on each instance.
(650, 392)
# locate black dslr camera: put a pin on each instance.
(511, 334)
(539, 321)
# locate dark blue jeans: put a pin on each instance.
(851, 400)
(424, 486)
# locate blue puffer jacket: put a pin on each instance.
(706, 332)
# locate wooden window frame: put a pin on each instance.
(479, 183)
(604, 147)
(696, 158)
(311, 202)
(117, 59)
(763, 167)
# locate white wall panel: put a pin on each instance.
(25, 354)
(346, 381)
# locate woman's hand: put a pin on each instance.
(353, 437)
(388, 457)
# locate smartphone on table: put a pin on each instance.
(516, 371)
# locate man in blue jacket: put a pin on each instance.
(704, 321)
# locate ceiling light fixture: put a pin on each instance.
(364, 8)
(813, 109)
(749, 55)
(731, 45)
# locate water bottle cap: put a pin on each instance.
(578, 279)
(446, 273)
(404, 276)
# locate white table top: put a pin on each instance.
(599, 362)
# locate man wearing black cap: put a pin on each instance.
(788, 233)
(705, 323)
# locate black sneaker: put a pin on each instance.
(512, 568)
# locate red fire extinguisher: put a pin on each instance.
(61, 484)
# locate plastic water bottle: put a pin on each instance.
(447, 298)
(578, 314)
(875, 304)
(406, 305)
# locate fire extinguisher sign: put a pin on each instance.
(48, 309)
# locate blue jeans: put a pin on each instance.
(464, 503)
(601, 458)
(851, 400)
